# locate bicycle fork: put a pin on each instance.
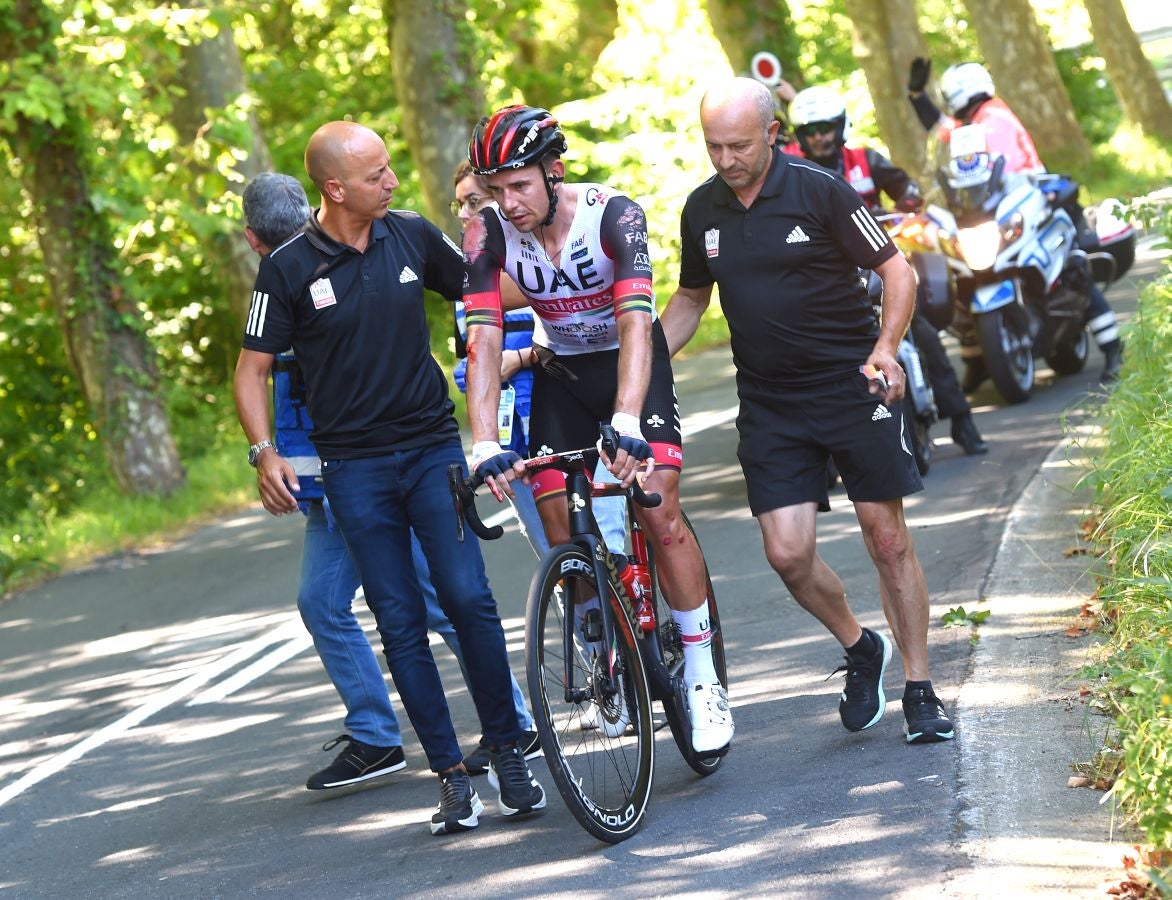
(604, 683)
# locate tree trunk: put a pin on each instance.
(1135, 81)
(886, 39)
(104, 333)
(212, 78)
(1026, 76)
(438, 91)
(745, 27)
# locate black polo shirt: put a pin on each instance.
(787, 270)
(356, 322)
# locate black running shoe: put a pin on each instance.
(862, 701)
(927, 722)
(476, 762)
(358, 762)
(459, 807)
(519, 791)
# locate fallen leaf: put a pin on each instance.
(1077, 781)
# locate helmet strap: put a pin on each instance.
(550, 181)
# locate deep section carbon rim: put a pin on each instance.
(600, 748)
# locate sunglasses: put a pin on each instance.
(818, 128)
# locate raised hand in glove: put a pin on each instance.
(495, 464)
(918, 76)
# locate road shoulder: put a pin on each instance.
(1021, 722)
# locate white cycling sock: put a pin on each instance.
(696, 630)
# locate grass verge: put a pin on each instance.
(1132, 477)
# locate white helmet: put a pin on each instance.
(964, 83)
(814, 105)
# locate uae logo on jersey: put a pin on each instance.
(712, 242)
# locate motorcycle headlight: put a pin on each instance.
(979, 245)
(1012, 228)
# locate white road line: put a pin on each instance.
(253, 671)
(137, 716)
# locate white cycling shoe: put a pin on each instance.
(712, 724)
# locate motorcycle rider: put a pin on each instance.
(821, 126)
(970, 98)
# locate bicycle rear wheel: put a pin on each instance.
(672, 649)
(600, 749)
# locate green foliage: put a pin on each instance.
(1095, 104)
(958, 617)
(1131, 475)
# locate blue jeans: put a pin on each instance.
(325, 598)
(377, 502)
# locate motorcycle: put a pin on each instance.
(1025, 273)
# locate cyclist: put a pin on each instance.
(819, 118)
(579, 252)
(970, 98)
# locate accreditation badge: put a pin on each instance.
(504, 416)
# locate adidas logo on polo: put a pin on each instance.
(407, 275)
(881, 412)
(797, 236)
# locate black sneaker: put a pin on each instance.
(459, 807)
(519, 791)
(966, 436)
(1112, 362)
(927, 722)
(476, 762)
(358, 762)
(862, 701)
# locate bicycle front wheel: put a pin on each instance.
(672, 648)
(599, 744)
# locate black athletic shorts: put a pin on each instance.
(574, 395)
(788, 435)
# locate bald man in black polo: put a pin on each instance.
(817, 378)
(347, 294)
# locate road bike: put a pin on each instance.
(593, 668)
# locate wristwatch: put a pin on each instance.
(255, 450)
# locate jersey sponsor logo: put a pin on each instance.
(655, 421)
(256, 313)
(869, 228)
(641, 263)
(554, 306)
(673, 453)
(881, 412)
(532, 279)
(595, 197)
(578, 242)
(636, 237)
(578, 254)
(797, 236)
(407, 276)
(322, 293)
(712, 242)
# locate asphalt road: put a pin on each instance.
(159, 714)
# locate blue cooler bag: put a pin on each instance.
(293, 424)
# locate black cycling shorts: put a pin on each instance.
(575, 395)
(788, 436)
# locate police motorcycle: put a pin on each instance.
(1028, 283)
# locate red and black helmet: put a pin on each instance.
(513, 137)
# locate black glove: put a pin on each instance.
(918, 76)
(494, 464)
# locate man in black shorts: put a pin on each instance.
(579, 252)
(817, 379)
